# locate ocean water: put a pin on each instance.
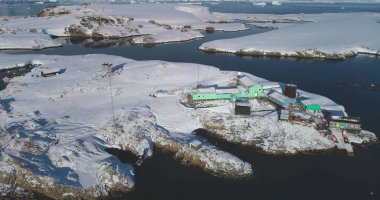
(326, 176)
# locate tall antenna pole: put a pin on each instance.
(109, 70)
(198, 76)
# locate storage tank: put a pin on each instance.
(291, 90)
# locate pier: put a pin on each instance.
(341, 144)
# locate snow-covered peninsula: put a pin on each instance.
(55, 129)
(154, 23)
(328, 35)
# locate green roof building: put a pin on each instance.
(242, 91)
(310, 106)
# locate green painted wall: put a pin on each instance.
(312, 107)
(253, 92)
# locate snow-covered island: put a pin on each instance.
(149, 23)
(327, 36)
(58, 120)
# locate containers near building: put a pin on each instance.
(348, 123)
(301, 118)
(242, 107)
(280, 99)
(334, 113)
(302, 115)
(284, 115)
(291, 91)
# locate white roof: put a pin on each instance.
(278, 96)
(50, 70)
(227, 91)
(308, 101)
(246, 81)
(206, 90)
(243, 103)
(270, 85)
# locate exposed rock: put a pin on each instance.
(207, 158)
(76, 31)
(53, 12)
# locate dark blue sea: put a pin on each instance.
(324, 176)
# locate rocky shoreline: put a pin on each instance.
(215, 138)
(307, 54)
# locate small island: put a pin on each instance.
(146, 24)
(335, 36)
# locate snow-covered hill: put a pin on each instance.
(55, 129)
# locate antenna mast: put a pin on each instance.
(198, 77)
(108, 67)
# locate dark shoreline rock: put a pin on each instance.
(13, 72)
(298, 54)
(217, 139)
